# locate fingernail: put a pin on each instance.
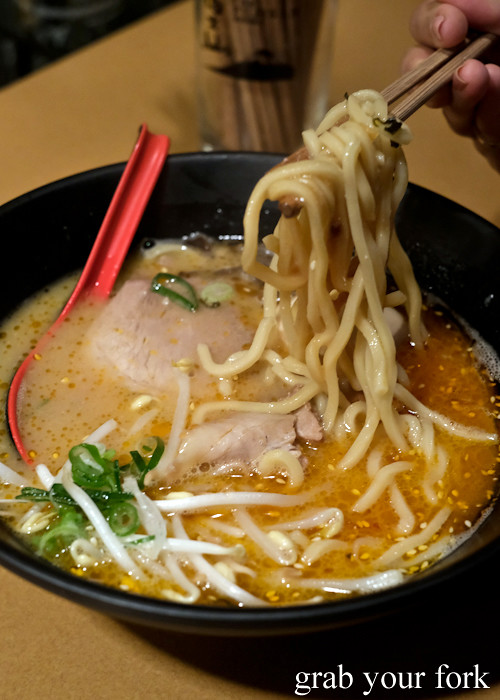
(460, 81)
(437, 26)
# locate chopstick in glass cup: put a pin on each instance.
(412, 90)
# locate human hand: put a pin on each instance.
(471, 103)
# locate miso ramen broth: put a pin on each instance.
(283, 537)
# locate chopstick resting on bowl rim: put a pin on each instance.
(412, 90)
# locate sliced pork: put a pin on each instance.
(307, 425)
(238, 441)
(143, 335)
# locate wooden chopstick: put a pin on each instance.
(413, 89)
(409, 92)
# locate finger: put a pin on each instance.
(487, 131)
(469, 87)
(487, 128)
(413, 57)
(480, 14)
(438, 25)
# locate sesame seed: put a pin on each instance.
(362, 523)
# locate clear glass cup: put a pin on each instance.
(263, 71)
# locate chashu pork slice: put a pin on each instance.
(237, 442)
(143, 336)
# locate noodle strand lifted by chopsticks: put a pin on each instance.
(327, 283)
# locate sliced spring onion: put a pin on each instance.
(150, 464)
(69, 527)
(99, 476)
(108, 498)
(175, 288)
(123, 519)
(214, 294)
(57, 495)
(29, 493)
(91, 469)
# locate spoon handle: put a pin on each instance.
(122, 217)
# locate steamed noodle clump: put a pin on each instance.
(335, 339)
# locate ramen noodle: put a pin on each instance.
(261, 423)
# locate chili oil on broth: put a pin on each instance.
(67, 400)
(444, 371)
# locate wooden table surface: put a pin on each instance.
(83, 112)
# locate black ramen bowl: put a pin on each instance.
(455, 255)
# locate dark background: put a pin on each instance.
(33, 33)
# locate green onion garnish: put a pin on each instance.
(69, 526)
(215, 293)
(175, 288)
(142, 466)
(122, 518)
(98, 473)
(90, 469)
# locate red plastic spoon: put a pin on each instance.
(109, 250)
